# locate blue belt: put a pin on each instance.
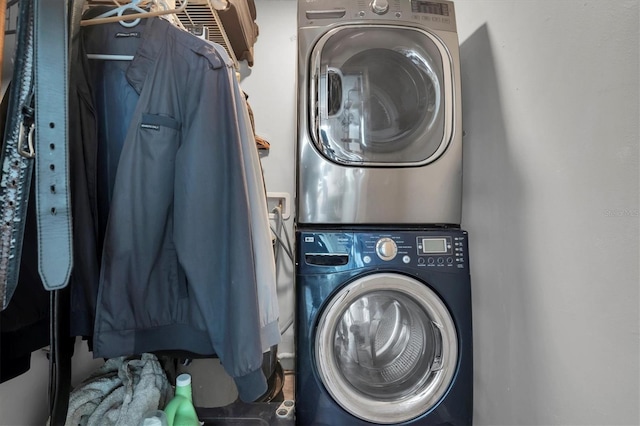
(53, 208)
(52, 177)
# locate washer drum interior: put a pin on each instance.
(386, 349)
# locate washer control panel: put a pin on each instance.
(444, 249)
(429, 249)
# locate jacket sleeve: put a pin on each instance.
(212, 228)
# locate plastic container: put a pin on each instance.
(154, 418)
(180, 410)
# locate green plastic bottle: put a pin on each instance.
(180, 410)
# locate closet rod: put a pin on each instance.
(97, 21)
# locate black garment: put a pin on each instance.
(24, 324)
(98, 122)
(83, 155)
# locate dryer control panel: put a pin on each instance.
(442, 250)
(436, 14)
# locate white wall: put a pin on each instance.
(550, 198)
(24, 399)
(551, 204)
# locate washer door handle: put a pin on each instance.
(438, 362)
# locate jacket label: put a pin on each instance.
(125, 35)
(155, 121)
(149, 126)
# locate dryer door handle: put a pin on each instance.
(326, 14)
(334, 92)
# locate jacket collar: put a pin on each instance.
(158, 35)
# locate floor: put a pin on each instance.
(289, 385)
(212, 387)
(216, 398)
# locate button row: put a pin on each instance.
(439, 260)
(421, 260)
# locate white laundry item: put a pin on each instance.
(263, 255)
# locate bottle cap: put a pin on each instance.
(183, 380)
(152, 421)
(154, 418)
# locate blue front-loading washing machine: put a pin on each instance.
(383, 327)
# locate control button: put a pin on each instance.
(406, 259)
(430, 260)
(440, 261)
(366, 259)
(386, 248)
(421, 261)
(449, 260)
(361, 14)
(398, 14)
(380, 6)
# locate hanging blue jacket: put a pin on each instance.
(178, 269)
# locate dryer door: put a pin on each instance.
(381, 96)
(386, 348)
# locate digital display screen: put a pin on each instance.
(434, 245)
(430, 7)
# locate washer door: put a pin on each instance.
(381, 95)
(386, 348)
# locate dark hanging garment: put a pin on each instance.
(102, 102)
(24, 324)
(83, 154)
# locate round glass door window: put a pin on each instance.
(381, 96)
(386, 348)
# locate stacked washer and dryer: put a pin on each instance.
(383, 292)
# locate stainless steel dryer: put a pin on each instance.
(379, 126)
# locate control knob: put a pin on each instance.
(386, 248)
(380, 6)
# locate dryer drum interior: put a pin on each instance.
(386, 348)
(401, 100)
(380, 95)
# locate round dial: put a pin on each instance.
(386, 248)
(380, 6)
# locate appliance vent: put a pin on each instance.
(202, 12)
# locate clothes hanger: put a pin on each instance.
(135, 6)
(132, 5)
